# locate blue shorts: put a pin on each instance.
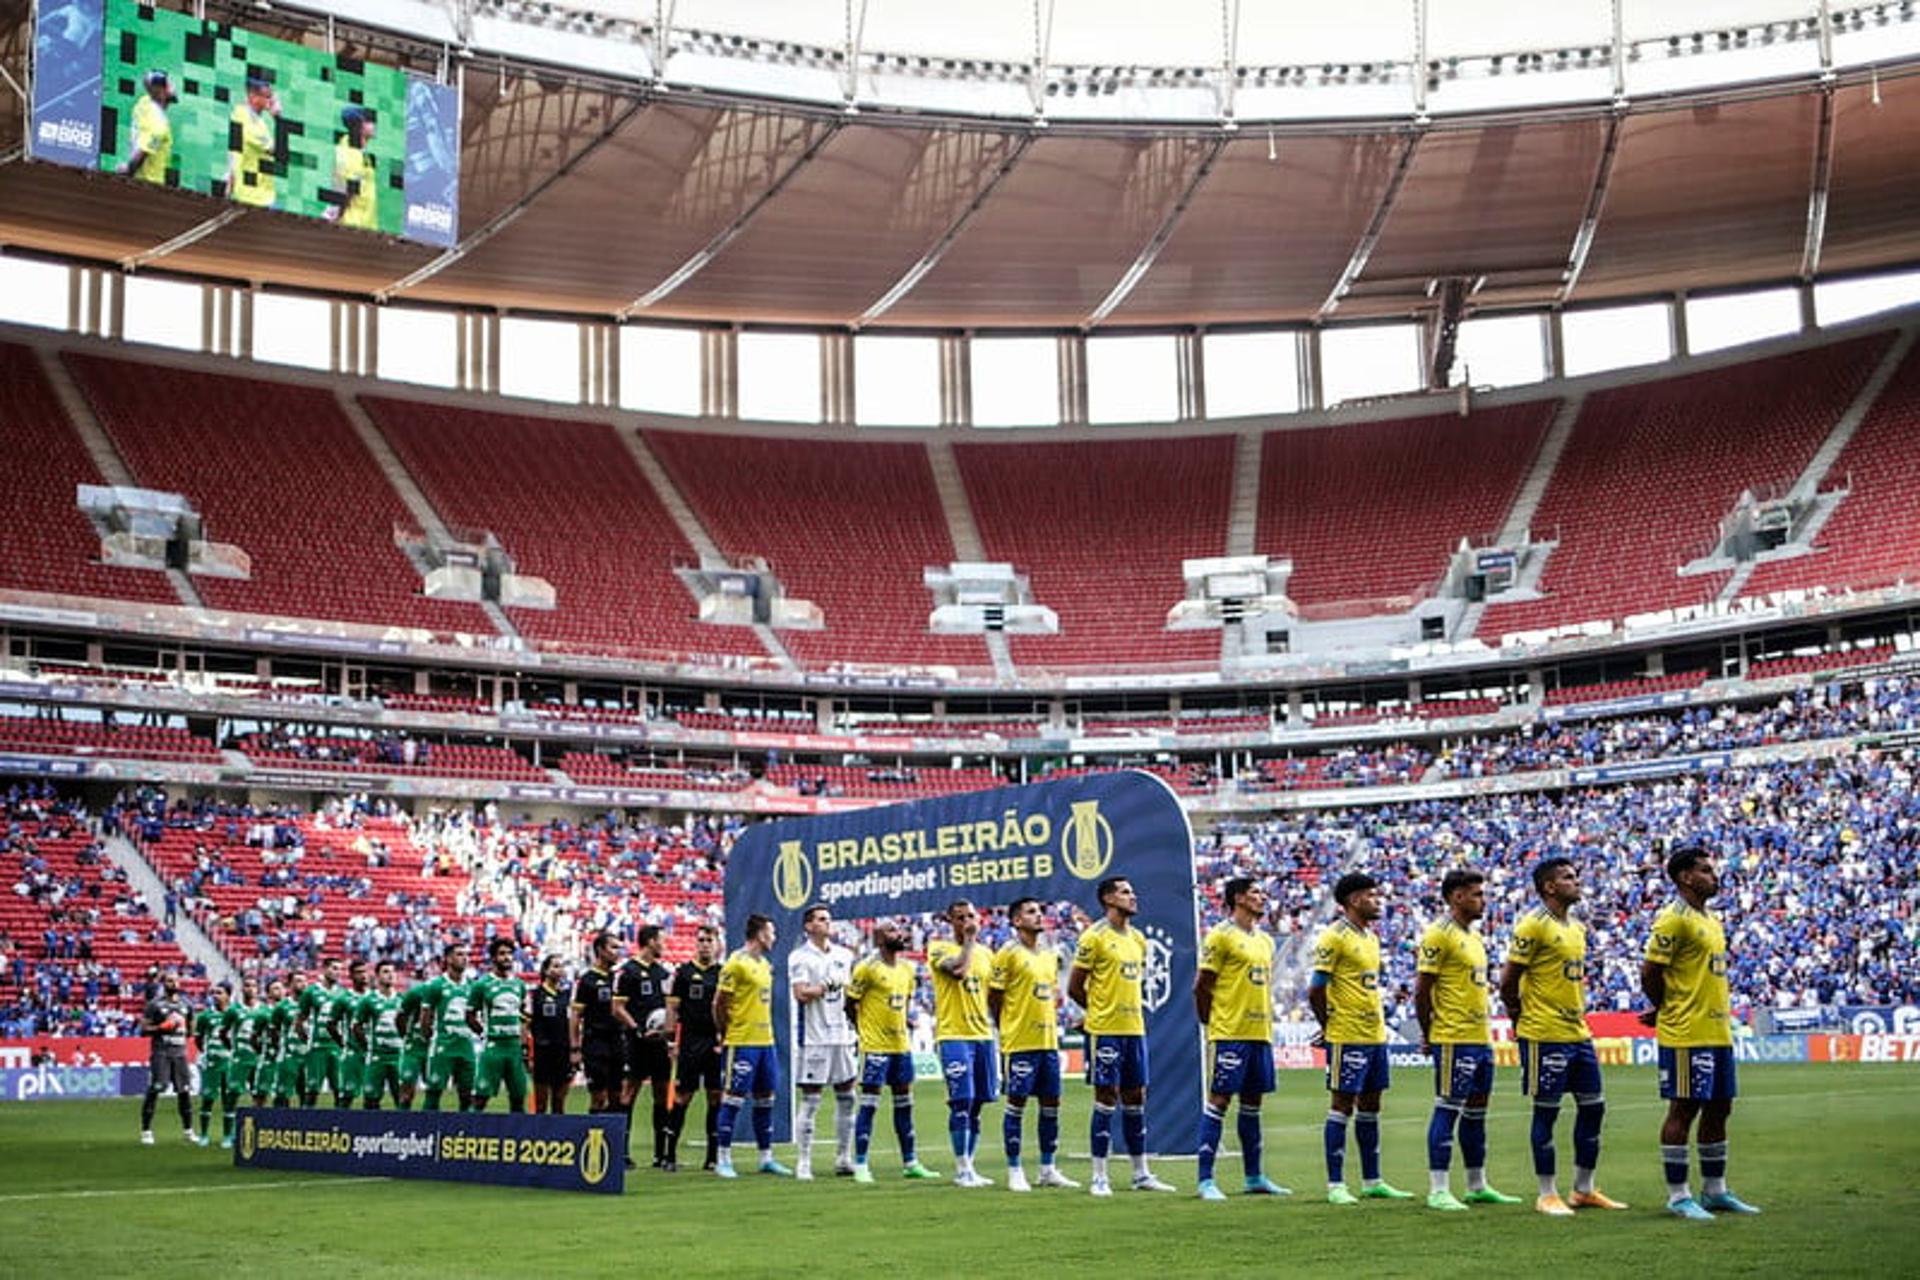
(1240, 1067)
(1462, 1071)
(1357, 1068)
(1549, 1069)
(970, 1069)
(1117, 1062)
(1698, 1074)
(877, 1069)
(1033, 1073)
(752, 1070)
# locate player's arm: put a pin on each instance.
(474, 1024)
(621, 1016)
(803, 992)
(722, 1009)
(856, 988)
(1077, 983)
(955, 964)
(1653, 981)
(149, 1025)
(1510, 987)
(1203, 994)
(1423, 984)
(1325, 957)
(575, 1012)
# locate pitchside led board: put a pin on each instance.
(291, 148)
(1054, 841)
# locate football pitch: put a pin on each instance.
(1832, 1153)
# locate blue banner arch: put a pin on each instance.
(1052, 840)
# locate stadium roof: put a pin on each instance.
(590, 195)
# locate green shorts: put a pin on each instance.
(353, 1066)
(380, 1077)
(286, 1075)
(241, 1070)
(413, 1063)
(458, 1069)
(504, 1062)
(213, 1077)
(323, 1068)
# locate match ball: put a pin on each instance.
(656, 1021)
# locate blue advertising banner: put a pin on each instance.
(66, 82)
(1053, 841)
(561, 1153)
(433, 161)
(65, 1084)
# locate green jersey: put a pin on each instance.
(285, 1011)
(502, 1003)
(445, 1001)
(317, 1007)
(378, 1017)
(209, 1032)
(250, 1027)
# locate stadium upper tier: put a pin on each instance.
(1619, 496)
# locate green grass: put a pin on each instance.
(1831, 1152)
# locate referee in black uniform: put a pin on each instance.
(698, 1068)
(552, 1040)
(599, 1026)
(641, 989)
(165, 1021)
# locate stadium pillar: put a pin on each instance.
(1677, 324)
(1307, 363)
(1190, 374)
(836, 379)
(1553, 340)
(956, 381)
(1071, 350)
(720, 373)
(1809, 313)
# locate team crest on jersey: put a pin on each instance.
(1156, 984)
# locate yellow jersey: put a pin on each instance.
(1692, 947)
(153, 138)
(747, 980)
(1027, 981)
(1457, 959)
(960, 1004)
(1552, 955)
(883, 991)
(1241, 962)
(1350, 958)
(352, 165)
(250, 142)
(1116, 963)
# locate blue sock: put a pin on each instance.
(1049, 1133)
(1440, 1135)
(1544, 1115)
(1713, 1166)
(1010, 1123)
(723, 1128)
(1252, 1140)
(973, 1128)
(1133, 1127)
(1211, 1125)
(957, 1129)
(1336, 1140)
(903, 1125)
(763, 1126)
(1587, 1118)
(1101, 1139)
(1673, 1162)
(1473, 1140)
(1366, 1136)
(863, 1126)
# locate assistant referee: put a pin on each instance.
(600, 1024)
(553, 1061)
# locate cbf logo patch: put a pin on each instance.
(1156, 984)
(792, 875)
(1086, 841)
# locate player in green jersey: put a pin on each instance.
(418, 1032)
(319, 1030)
(289, 1051)
(353, 1057)
(212, 1036)
(453, 1056)
(251, 1016)
(376, 1029)
(497, 1010)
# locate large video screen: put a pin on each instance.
(158, 96)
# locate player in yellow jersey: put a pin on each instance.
(152, 147)
(1685, 976)
(1544, 989)
(250, 146)
(877, 998)
(743, 1016)
(1108, 966)
(1450, 1002)
(1344, 995)
(353, 201)
(1023, 996)
(963, 1034)
(1233, 994)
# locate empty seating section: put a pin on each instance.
(365, 755)
(45, 543)
(438, 703)
(92, 738)
(726, 722)
(1373, 510)
(1805, 663)
(276, 469)
(1873, 538)
(1608, 690)
(605, 771)
(570, 505)
(1101, 527)
(947, 728)
(848, 525)
(1652, 468)
(867, 782)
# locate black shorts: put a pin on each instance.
(649, 1059)
(169, 1067)
(700, 1066)
(552, 1065)
(604, 1061)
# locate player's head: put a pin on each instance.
(357, 974)
(553, 971)
(817, 923)
(331, 972)
(453, 959)
(297, 981)
(277, 989)
(648, 942)
(606, 949)
(259, 92)
(889, 938)
(760, 932)
(1464, 890)
(706, 944)
(249, 989)
(1556, 880)
(221, 996)
(1027, 917)
(1244, 893)
(500, 955)
(170, 982)
(159, 87)
(1115, 894)
(1358, 894)
(383, 975)
(964, 917)
(1691, 868)
(357, 125)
